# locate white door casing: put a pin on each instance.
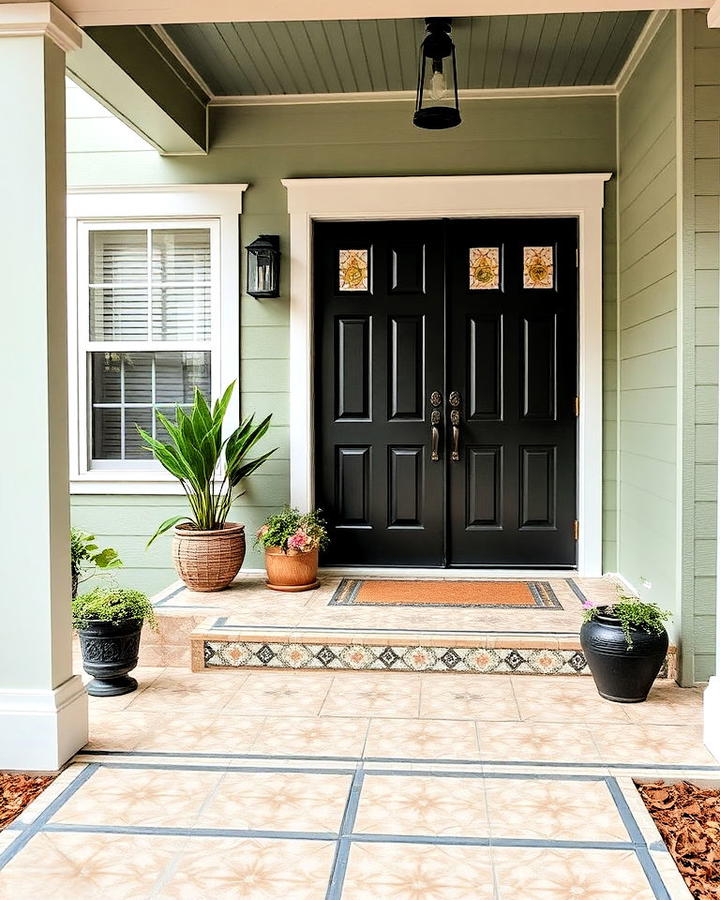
(455, 196)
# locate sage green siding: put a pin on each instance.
(260, 145)
(647, 322)
(702, 276)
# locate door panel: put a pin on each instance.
(512, 358)
(383, 331)
(484, 314)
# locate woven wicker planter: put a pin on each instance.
(208, 560)
(291, 571)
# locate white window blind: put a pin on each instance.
(150, 327)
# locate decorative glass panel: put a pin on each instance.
(484, 268)
(538, 267)
(353, 270)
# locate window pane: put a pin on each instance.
(181, 313)
(127, 388)
(134, 446)
(118, 314)
(138, 377)
(181, 255)
(177, 374)
(118, 257)
(106, 439)
(106, 377)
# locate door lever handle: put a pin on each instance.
(434, 435)
(435, 401)
(454, 401)
(455, 422)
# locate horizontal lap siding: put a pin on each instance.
(647, 323)
(261, 145)
(703, 70)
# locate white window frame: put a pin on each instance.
(217, 207)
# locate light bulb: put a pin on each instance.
(438, 86)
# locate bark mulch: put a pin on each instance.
(688, 818)
(17, 791)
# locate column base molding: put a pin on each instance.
(41, 730)
(711, 714)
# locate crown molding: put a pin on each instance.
(713, 16)
(645, 38)
(587, 90)
(40, 20)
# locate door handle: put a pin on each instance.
(435, 401)
(454, 401)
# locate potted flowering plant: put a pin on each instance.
(625, 644)
(291, 541)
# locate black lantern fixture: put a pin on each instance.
(437, 94)
(263, 266)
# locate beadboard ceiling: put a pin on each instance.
(271, 58)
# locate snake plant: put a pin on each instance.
(194, 453)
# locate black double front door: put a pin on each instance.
(445, 386)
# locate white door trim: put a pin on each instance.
(456, 196)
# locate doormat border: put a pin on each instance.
(544, 596)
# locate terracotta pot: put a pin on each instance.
(208, 560)
(292, 571)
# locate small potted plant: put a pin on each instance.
(207, 549)
(109, 621)
(625, 644)
(291, 540)
(86, 558)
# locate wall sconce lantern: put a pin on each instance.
(437, 104)
(263, 266)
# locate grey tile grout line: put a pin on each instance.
(42, 819)
(658, 767)
(636, 836)
(342, 849)
(346, 835)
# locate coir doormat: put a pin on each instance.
(497, 594)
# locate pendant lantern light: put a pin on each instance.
(437, 104)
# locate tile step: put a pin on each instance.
(221, 646)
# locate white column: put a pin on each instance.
(43, 707)
(711, 698)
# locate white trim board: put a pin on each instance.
(221, 203)
(461, 196)
(465, 94)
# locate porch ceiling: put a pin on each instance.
(328, 57)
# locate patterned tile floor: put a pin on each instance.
(360, 785)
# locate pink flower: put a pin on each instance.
(299, 541)
(588, 604)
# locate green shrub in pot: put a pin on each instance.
(109, 622)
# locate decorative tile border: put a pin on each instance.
(404, 658)
(400, 658)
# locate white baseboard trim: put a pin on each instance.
(41, 729)
(711, 715)
(624, 582)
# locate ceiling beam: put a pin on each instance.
(159, 12)
(134, 75)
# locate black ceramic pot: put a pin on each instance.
(110, 651)
(623, 674)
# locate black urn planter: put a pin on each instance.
(109, 652)
(623, 674)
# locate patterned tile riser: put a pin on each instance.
(366, 657)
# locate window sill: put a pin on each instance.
(113, 482)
